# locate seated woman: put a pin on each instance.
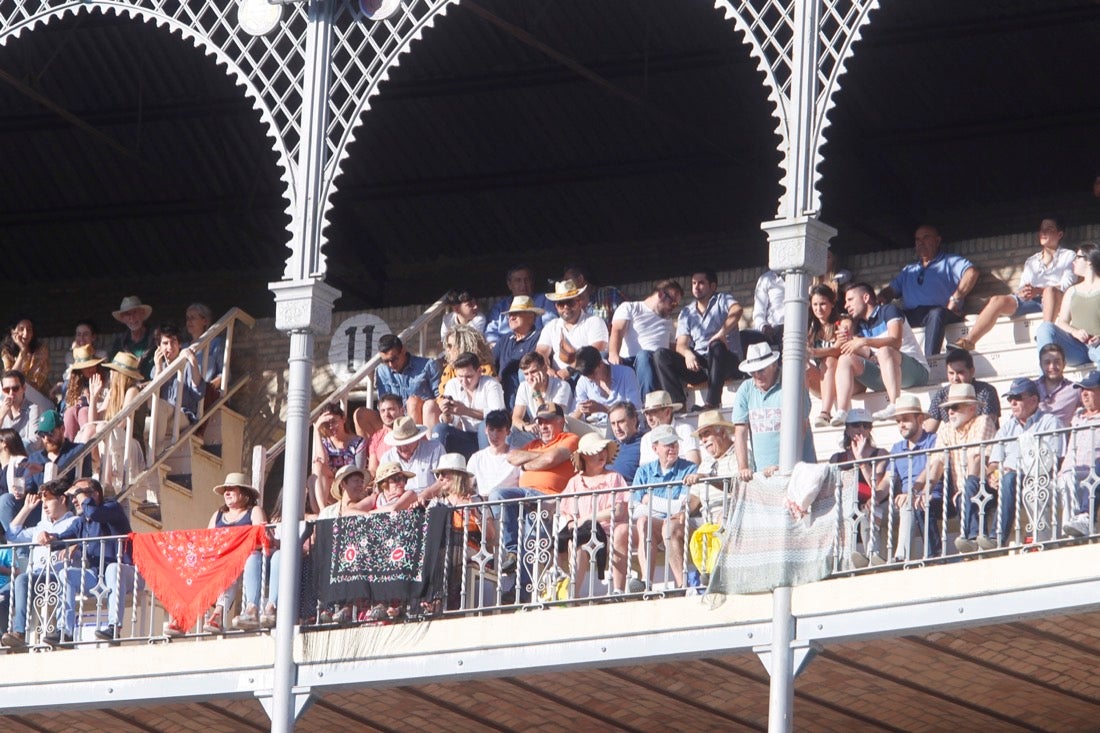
(459, 341)
(472, 526)
(822, 351)
(858, 445)
(333, 448)
(464, 311)
(1077, 327)
(391, 496)
(241, 509)
(581, 516)
(115, 466)
(84, 391)
(197, 318)
(353, 493)
(22, 351)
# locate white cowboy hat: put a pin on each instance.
(565, 290)
(524, 304)
(451, 462)
(908, 404)
(404, 432)
(659, 400)
(132, 303)
(959, 394)
(758, 356)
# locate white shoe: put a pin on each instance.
(821, 421)
(886, 413)
(839, 419)
(1079, 526)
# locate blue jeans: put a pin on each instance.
(971, 514)
(456, 440)
(509, 523)
(646, 371)
(121, 578)
(253, 570)
(1077, 353)
(935, 320)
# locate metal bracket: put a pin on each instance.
(803, 652)
(302, 700)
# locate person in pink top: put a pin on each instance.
(390, 407)
(605, 514)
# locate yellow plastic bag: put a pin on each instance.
(704, 547)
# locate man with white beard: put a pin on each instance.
(964, 425)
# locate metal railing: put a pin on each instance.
(115, 437)
(361, 380)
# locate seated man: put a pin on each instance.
(960, 370)
(964, 426)
(465, 400)
(1005, 458)
(708, 343)
(490, 466)
(882, 355)
(600, 302)
(659, 511)
(933, 289)
(56, 454)
(538, 389)
(571, 330)
(658, 410)
(601, 385)
(520, 282)
(186, 390)
(1082, 461)
(640, 327)
(139, 338)
(720, 459)
(1047, 275)
(411, 449)
(109, 559)
(414, 379)
(16, 411)
(521, 340)
(56, 519)
(922, 507)
(767, 312)
(623, 421)
(390, 407)
(546, 467)
(758, 414)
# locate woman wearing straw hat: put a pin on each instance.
(584, 513)
(122, 389)
(84, 390)
(392, 496)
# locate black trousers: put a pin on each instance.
(718, 365)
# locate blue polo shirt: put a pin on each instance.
(906, 466)
(932, 285)
(651, 473)
(624, 388)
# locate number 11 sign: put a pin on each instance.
(354, 342)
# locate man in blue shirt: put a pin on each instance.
(56, 449)
(663, 504)
(414, 379)
(602, 385)
(520, 281)
(758, 414)
(915, 507)
(933, 288)
(708, 343)
(623, 421)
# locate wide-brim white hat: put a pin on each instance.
(759, 356)
(404, 432)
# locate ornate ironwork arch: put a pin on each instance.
(263, 67)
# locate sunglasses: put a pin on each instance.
(9, 390)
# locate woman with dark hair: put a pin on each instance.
(23, 351)
(1077, 327)
(464, 311)
(11, 447)
(12, 455)
(333, 448)
(822, 351)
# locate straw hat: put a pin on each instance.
(712, 419)
(959, 394)
(908, 404)
(389, 470)
(84, 357)
(404, 432)
(591, 444)
(132, 303)
(524, 304)
(238, 481)
(337, 488)
(126, 363)
(759, 356)
(452, 462)
(659, 400)
(565, 290)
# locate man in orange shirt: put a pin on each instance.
(546, 468)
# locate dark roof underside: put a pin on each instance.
(624, 133)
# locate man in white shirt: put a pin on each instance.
(490, 466)
(767, 308)
(538, 389)
(658, 410)
(465, 400)
(571, 330)
(640, 327)
(414, 452)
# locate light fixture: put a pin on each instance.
(259, 17)
(379, 9)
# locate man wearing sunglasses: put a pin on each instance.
(933, 289)
(16, 411)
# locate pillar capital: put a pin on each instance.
(304, 305)
(799, 243)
